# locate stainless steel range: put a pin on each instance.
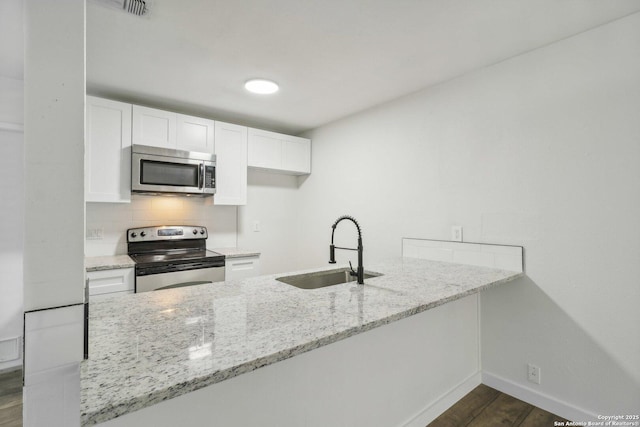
(173, 256)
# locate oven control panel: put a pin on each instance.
(166, 232)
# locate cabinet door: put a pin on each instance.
(194, 134)
(231, 164)
(153, 127)
(279, 152)
(110, 281)
(107, 151)
(296, 155)
(265, 149)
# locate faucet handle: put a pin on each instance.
(352, 273)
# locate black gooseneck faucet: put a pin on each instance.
(332, 248)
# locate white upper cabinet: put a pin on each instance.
(159, 128)
(265, 149)
(195, 134)
(279, 152)
(112, 127)
(107, 151)
(231, 164)
(296, 154)
(156, 128)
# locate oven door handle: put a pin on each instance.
(201, 176)
(183, 284)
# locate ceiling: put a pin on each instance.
(331, 58)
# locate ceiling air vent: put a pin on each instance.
(134, 7)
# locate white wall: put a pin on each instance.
(271, 201)
(11, 230)
(11, 220)
(540, 150)
(11, 101)
(54, 153)
(54, 96)
(115, 218)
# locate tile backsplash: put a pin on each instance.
(111, 221)
(485, 255)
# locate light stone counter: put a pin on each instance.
(149, 347)
(96, 263)
(235, 252)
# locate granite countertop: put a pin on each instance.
(235, 252)
(96, 263)
(149, 347)
(112, 262)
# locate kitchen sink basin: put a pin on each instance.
(320, 279)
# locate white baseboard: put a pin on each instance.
(447, 400)
(541, 400)
(13, 365)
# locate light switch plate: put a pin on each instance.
(456, 233)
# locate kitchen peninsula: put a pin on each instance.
(181, 344)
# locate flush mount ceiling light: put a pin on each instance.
(261, 86)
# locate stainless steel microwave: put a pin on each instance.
(157, 170)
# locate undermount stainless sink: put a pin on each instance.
(320, 279)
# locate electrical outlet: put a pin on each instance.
(95, 233)
(533, 373)
(456, 233)
(256, 226)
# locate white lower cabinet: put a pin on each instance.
(106, 283)
(242, 267)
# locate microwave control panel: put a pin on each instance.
(209, 177)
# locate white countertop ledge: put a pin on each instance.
(97, 263)
(150, 347)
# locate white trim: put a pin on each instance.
(435, 409)
(479, 326)
(10, 366)
(535, 398)
(53, 338)
(12, 127)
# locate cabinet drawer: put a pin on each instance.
(109, 281)
(242, 268)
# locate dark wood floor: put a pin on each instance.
(487, 407)
(483, 407)
(11, 399)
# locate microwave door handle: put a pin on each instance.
(201, 176)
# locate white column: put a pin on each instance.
(54, 79)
